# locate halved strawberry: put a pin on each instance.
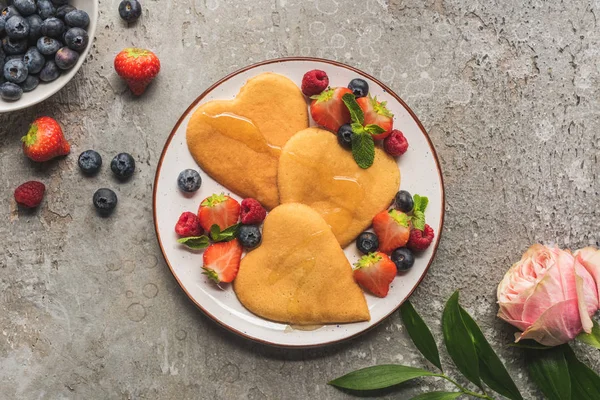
(218, 209)
(328, 109)
(377, 113)
(393, 230)
(222, 261)
(375, 272)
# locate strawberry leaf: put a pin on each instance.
(224, 236)
(195, 242)
(363, 150)
(356, 113)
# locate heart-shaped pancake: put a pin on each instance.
(299, 274)
(238, 142)
(315, 170)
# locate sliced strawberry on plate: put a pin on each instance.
(393, 230)
(328, 109)
(376, 113)
(218, 209)
(375, 272)
(222, 261)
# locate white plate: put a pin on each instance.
(45, 90)
(420, 174)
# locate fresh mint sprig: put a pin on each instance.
(363, 145)
(225, 235)
(418, 218)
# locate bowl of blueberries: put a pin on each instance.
(43, 43)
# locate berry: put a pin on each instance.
(393, 230)
(30, 194)
(66, 58)
(10, 91)
(60, 2)
(46, 9)
(62, 11)
(50, 72)
(345, 135)
(314, 82)
(14, 46)
(34, 60)
(15, 71)
(328, 109)
(189, 180)
(30, 83)
(138, 68)
(53, 27)
(35, 27)
(249, 236)
(403, 258)
(222, 261)
(375, 272)
(45, 140)
(48, 46)
(25, 7)
(367, 242)
(420, 240)
(123, 166)
(105, 201)
(89, 162)
(252, 212)
(404, 201)
(76, 39)
(359, 87)
(395, 144)
(17, 27)
(188, 225)
(77, 19)
(130, 10)
(377, 113)
(218, 209)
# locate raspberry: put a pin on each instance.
(420, 239)
(30, 194)
(252, 212)
(395, 144)
(188, 225)
(314, 82)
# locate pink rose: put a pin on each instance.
(551, 294)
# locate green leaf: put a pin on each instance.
(529, 344)
(421, 203)
(549, 370)
(356, 113)
(418, 220)
(491, 369)
(585, 383)
(379, 377)
(458, 341)
(420, 334)
(374, 129)
(438, 396)
(224, 236)
(591, 339)
(363, 150)
(195, 242)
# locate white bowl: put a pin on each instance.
(45, 90)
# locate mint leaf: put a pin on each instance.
(356, 113)
(374, 129)
(421, 202)
(418, 220)
(224, 236)
(195, 242)
(363, 150)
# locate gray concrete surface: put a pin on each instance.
(507, 89)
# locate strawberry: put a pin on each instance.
(393, 230)
(222, 261)
(218, 209)
(377, 113)
(138, 67)
(375, 272)
(45, 140)
(328, 109)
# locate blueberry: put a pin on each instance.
(249, 236)
(14, 57)
(10, 92)
(53, 27)
(344, 136)
(63, 10)
(105, 201)
(46, 9)
(403, 258)
(77, 19)
(77, 39)
(17, 27)
(90, 162)
(14, 46)
(367, 242)
(123, 166)
(404, 201)
(130, 10)
(25, 7)
(30, 83)
(15, 71)
(48, 46)
(35, 27)
(359, 87)
(2, 59)
(60, 2)
(8, 12)
(34, 60)
(189, 180)
(50, 72)
(66, 58)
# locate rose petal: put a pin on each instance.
(522, 325)
(589, 257)
(558, 325)
(587, 299)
